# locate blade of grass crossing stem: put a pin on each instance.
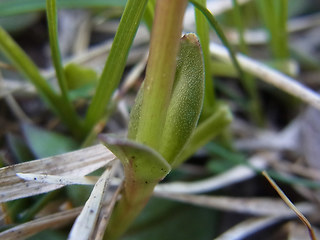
(213, 22)
(116, 61)
(203, 34)
(303, 219)
(56, 59)
(14, 7)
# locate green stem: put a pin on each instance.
(203, 34)
(54, 46)
(164, 46)
(56, 59)
(116, 61)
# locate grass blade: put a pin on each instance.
(213, 22)
(116, 61)
(77, 163)
(85, 223)
(71, 115)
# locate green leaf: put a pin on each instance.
(44, 143)
(78, 76)
(186, 100)
(13, 7)
(141, 163)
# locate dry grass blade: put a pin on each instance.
(236, 174)
(269, 75)
(247, 228)
(77, 163)
(51, 221)
(60, 180)
(252, 206)
(291, 205)
(86, 221)
(105, 214)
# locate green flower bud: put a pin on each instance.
(187, 98)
